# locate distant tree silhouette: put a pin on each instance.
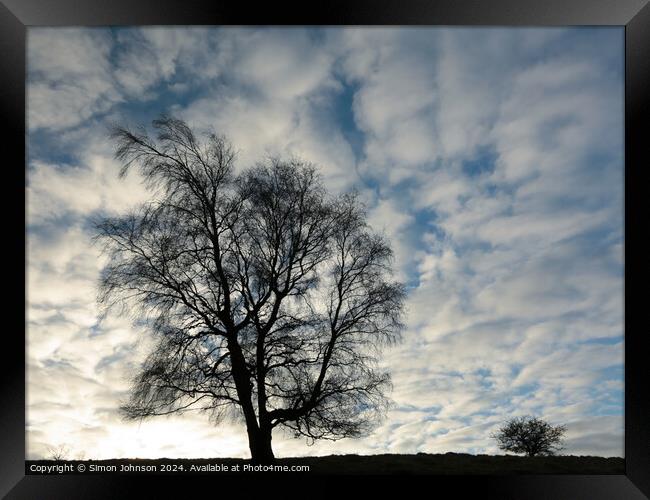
(269, 297)
(530, 435)
(59, 452)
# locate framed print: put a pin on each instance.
(380, 239)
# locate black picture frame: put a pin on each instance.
(634, 15)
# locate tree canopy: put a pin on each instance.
(269, 297)
(530, 435)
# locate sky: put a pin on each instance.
(491, 157)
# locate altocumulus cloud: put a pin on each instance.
(492, 158)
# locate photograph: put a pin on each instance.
(325, 249)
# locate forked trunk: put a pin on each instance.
(259, 436)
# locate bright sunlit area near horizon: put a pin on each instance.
(490, 159)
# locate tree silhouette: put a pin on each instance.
(270, 298)
(530, 435)
(58, 452)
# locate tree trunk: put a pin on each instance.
(259, 435)
(259, 441)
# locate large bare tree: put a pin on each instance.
(269, 298)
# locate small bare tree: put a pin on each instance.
(530, 435)
(268, 296)
(59, 452)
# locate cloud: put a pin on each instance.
(491, 158)
(86, 185)
(69, 76)
(278, 102)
